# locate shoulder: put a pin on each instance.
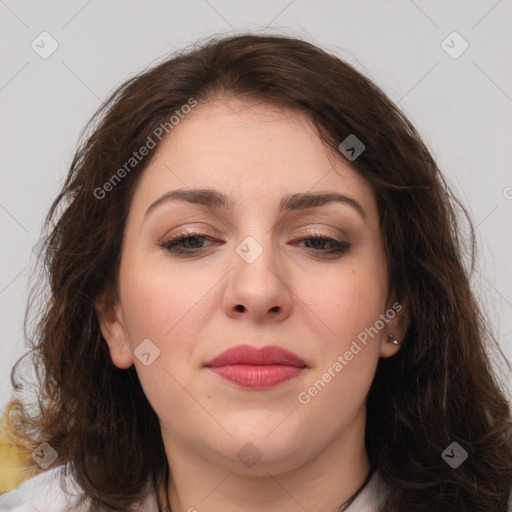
(43, 493)
(54, 491)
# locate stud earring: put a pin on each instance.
(392, 339)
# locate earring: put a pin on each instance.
(392, 339)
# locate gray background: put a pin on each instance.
(461, 106)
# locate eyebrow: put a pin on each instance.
(217, 200)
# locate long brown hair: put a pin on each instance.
(440, 388)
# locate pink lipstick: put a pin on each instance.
(251, 367)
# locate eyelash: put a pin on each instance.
(172, 244)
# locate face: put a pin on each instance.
(309, 277)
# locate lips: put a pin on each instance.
(252, 367)
(246, 354)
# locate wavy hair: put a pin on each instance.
(439, 388)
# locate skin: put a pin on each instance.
(312, 455)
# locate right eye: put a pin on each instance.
(180, 244)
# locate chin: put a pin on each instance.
(259, 455)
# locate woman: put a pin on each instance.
(258, 302)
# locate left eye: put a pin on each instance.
(320, 242)
(338, 246)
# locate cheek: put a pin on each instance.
(332, 398)
(347, 300)
(348, 304)
(157, 301)
(159, 305)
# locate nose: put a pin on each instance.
(258, 287)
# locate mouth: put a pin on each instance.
(251, 367)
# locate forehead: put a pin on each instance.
(252, 151)
(259, 135)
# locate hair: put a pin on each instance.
(439, 388)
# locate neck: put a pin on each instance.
(322, 483)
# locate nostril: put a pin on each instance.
(240, 308)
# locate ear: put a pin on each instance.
(114, 331)
(397, 324)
